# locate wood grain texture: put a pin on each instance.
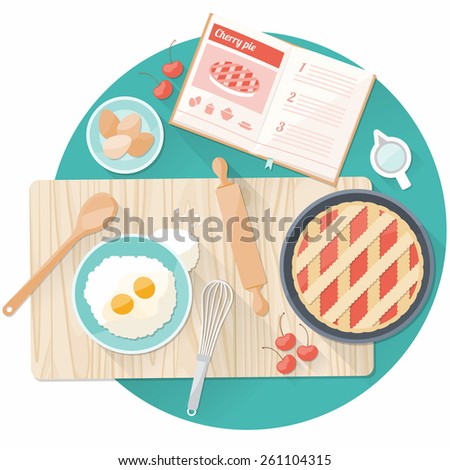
(62, 350)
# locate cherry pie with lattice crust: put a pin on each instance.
(363, 276)
(234, 78)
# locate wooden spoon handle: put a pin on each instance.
(11, 307)
(260, 304)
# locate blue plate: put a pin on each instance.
(122, 107)
(133, 246)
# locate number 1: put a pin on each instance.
(302, 67)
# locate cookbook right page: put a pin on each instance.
(314, 114)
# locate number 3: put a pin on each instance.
(281, 126)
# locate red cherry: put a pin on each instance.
(307, 353)
(162, 90)
(173, 69)
(286, 342)
(287, 363)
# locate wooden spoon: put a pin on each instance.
(94, 215)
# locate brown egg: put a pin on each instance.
(141, 144)
(107, 124)
(117, 146)
(144, 287)
(122, 304)
(131, 125)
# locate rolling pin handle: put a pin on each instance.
(260, 304)
(220, 168)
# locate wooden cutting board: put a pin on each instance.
(62, 350)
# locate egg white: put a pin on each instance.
(116, 275)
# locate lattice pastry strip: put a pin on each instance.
(372, 275)
(393, 296)
(315, 248)
(347, 257)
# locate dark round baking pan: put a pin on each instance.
(310, 213)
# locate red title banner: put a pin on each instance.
(246, 45)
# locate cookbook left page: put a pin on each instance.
(231, 83)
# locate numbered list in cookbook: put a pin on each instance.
(314, 114)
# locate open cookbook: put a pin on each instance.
(272, 99)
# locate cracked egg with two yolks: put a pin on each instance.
(131, 296)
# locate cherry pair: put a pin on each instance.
(286, 342)
(172, 69)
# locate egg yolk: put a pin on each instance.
(122, 304)
(144, 287)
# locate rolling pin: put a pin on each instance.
(245, 252)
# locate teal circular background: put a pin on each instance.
(133, 246)
(244, 403)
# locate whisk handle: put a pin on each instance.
(197, 384)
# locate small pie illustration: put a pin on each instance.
(234, 78)
(357, 267)
(245, 125)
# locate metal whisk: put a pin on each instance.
(217, 298)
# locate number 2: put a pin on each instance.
(291, 97)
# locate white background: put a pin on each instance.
(57, 58)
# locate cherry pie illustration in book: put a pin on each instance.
(234, 78)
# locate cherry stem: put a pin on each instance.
(279, 355)
(281, 329)
(307, 334)
(170, 49)
(149, 75)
